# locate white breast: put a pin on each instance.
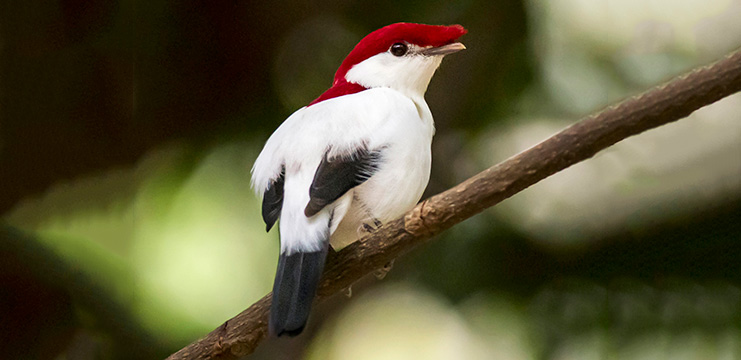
(377, 118)
(399, 182)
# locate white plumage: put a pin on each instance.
(356, 157)
(376, 118)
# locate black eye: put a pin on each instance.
(398, 49)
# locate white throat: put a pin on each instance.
(409, 75)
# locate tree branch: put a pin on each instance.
(672, 101)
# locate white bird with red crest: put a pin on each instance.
(354, 158)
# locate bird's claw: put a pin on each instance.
(368, 228)
(382, 272)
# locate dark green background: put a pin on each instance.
(91, 89)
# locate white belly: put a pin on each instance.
(392, 191)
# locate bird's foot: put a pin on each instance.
(382, 272)
(371, 228)
(347, 291)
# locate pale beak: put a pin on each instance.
(444, 50)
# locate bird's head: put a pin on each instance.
(401, 56)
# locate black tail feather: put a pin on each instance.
(294, 289)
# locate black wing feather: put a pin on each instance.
(272, 201)
(335, 176)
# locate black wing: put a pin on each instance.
(272, 201)
(335, 176)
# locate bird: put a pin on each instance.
(357, 156)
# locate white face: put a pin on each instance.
(409, 73)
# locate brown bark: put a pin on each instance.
(672, 101)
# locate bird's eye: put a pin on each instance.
(398, 49)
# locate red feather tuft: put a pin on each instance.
(380, 41)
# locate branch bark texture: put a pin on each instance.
(663, 104)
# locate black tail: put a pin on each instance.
(294, 290)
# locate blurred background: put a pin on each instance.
(128, 130)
